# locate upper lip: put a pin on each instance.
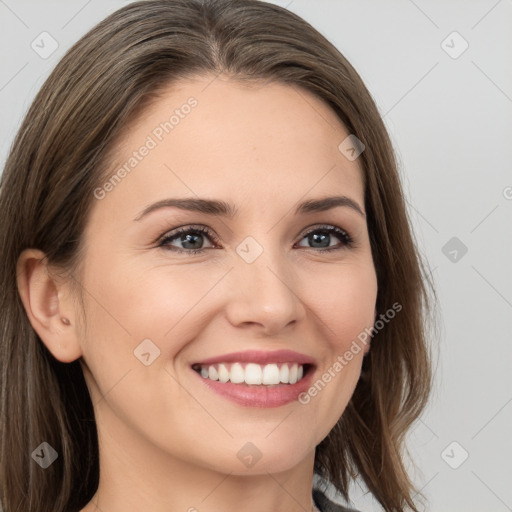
(260, 357)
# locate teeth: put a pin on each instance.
(223, 373)
(254, 374)
(237, 374)
(212, 373)
(285, 374)
(293, 374)
(271, 374)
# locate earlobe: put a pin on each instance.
(48, 307)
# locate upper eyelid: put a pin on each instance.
(187, 227)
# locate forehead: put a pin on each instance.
(215, 136)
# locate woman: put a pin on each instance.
(210, 288)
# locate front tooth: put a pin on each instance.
(253, 374)
(293, 373)
(300, 372)
(237, 374)
(223, 373)
(212, 372)
(271, 374)
(284, 374)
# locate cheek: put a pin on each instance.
(344, 298)
(344, 304)
(135, 303)
(127, 307)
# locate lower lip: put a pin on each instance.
(259, 396)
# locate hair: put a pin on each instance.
(61, 153)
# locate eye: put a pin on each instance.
(321, 238)
(191, 238)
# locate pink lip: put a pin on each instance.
(260, 357)
(260, 396)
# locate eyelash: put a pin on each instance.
(347, 240)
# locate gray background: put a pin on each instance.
(449, 116)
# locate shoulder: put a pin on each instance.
(326, 505)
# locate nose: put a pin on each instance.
(265, 293)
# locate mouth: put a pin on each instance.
(254, 374)
(255, 378)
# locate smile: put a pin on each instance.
(257, 378)
(253, 374)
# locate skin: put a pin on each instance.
(166, 441)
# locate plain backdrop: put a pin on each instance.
(441, 74)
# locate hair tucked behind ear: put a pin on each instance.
(61, 154)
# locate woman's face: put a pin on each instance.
(261, 283)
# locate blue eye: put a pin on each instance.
(192, 239)
(190, 236)
(321, 235)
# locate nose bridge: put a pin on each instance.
(263, 288)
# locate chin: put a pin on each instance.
(262, 455)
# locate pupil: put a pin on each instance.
(190, 239)
(322, 238)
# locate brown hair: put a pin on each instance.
(60, 155)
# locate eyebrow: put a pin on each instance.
(223, 209)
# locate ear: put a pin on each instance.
(48, 305)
